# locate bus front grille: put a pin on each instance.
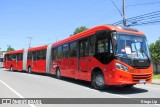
(138, 77)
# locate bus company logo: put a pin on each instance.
(142, 71)
(135, 71)
(6, 101)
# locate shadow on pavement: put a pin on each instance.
(112, 89)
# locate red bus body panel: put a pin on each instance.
(38, 66)
(82, 68)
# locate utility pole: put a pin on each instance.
(30, 38)
(124, 13)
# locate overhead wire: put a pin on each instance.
(150, 3)
(153, 17)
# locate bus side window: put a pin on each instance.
(6, 58)
(29, 57)
(13, 57)
(34, 55)
(43, 54)
(102, 45)
(38, 54)
(21, 57)
(83, 45)
(59, 53)
(54, 53)
(18, 57)
(73, 49)
(92, 45)
(65, 50)
(10, 57)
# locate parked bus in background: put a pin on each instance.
(104, 55)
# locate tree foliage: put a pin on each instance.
(79, 29)
(155, 53)
(10, 49)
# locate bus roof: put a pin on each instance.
(15, 52)
(37, 48)
(93, 30)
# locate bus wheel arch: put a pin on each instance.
(97, 79)
(29, 69)
(58, 73)
(11, 68)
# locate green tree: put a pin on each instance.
(79, 29)
(155, 53)
(10, 49)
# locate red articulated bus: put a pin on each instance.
(32, 60)
(14, 60)
(105, 55)
(36, 59)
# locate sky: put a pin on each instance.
(48, 21)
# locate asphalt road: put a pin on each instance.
(24, 85)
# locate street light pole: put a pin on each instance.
(30, 38)
(124, 14)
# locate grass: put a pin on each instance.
(156, 76)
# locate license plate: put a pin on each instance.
(142, 81)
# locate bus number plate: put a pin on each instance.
(142, 81)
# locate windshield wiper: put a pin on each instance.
(145, 54)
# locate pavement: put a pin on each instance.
(24, 85)
(156, 81)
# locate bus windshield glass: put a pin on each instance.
(131, 46)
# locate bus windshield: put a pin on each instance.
(131, 46)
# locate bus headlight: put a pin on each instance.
(122, 67)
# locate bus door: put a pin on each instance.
(34, 61)
(83, 59)
(14, 61)
(6, 61)
(41, 61)
(19, 61)
(72, 64)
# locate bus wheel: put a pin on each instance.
(29, 70)
(11, 68)
(98, 81)
(58, 74)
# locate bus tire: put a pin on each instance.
(58, 73)
(11, 68)
(98, 81)
(29, 70)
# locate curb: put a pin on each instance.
(154, 83)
